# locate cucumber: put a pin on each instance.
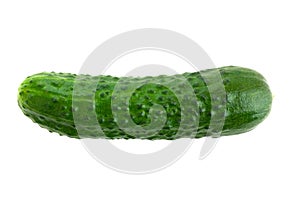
(49, 98)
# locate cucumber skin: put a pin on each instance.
(46, 98)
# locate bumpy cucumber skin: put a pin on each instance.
(46, 98)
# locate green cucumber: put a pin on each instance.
(48, 99)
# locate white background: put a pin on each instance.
(58, 35)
